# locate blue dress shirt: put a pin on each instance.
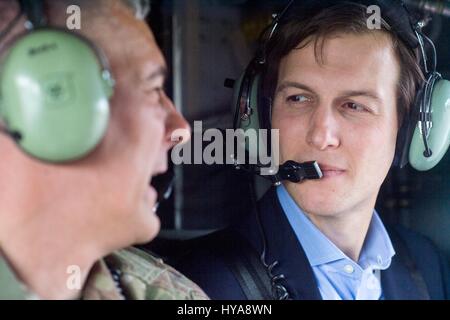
(339, 277)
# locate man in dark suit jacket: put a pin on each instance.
(416, 264)
(340, 92)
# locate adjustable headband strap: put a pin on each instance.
(34, 10)
(394, 12)
(270, 30)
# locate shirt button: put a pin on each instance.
(349, 269)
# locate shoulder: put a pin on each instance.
(417, 244)
(433, 264)
(147, 277)
(206, 261)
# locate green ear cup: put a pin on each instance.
(55, 95)
(439, 138)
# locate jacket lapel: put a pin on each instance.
(397, 283)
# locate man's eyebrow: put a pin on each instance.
(159, 72)
(292, 84)
(364, 93)
(345, 94)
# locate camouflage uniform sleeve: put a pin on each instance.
(11, 288)
(144, 277)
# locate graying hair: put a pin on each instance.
(141, 8)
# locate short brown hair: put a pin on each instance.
(352, 18)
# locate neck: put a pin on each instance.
(53, 263)
(346, 230)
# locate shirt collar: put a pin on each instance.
(377, 250)
(100, 284)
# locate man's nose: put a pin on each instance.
(178, 130)
(323, 129)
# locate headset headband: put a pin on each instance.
(394, 12)
(34, 10)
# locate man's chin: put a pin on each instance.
(148, 228)
(329, 209)
(321, 203)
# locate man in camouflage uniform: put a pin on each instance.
(63, 227)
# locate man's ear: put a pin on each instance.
(12, 24)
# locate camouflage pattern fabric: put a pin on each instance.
(135, 275)
(10, 287)
(140, 277)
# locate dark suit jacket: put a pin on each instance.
(205, 264)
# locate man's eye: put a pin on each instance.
(298, 98)
(154, 91)
(355, 106)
